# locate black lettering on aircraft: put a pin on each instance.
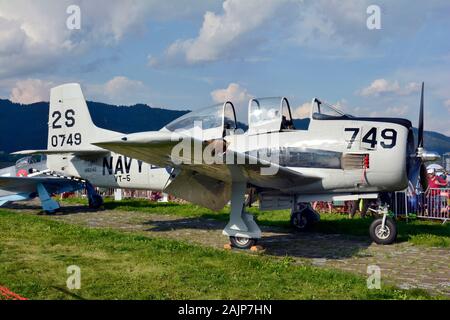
(119, 165)
(69, 116)
(77, 137)
(56, 115)
(389, 138)
(353, 138)
(62, 139)
(70, 120)
(107, 164)
(128, 164)
(371, 138)
(389, 134)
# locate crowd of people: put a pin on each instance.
(437, 180)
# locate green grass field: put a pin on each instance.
(418, 232)
(35, 252)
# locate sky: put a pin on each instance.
(193, 53)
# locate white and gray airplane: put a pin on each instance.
(70, 152)
(336, 156)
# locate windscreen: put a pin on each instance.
(206, 118)
(324, 108)
(264, 111)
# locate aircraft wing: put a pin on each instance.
(29, 184)
(199, 182)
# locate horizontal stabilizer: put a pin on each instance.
(28, 185)
(78, 152)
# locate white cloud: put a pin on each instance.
(235, 93)
(30, 91)
(382, 87)
(34, 36)
(222, 34)
(330, 27)
(302, 111)
(447, 104)
(119, 85)
(393, 111)
(12, 37)
(119, 90)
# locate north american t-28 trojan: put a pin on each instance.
(335, 157)
(204, 158)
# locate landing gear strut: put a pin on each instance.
(383, 230)
(242, 229)
(95, 200)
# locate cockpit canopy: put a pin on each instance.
(212, 122)
(264, 115)
(269, 115)
(26, 161)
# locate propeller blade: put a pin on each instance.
(420, 128)
(414, 171)
(423, 177)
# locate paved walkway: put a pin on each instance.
(402, 264)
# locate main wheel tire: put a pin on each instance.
(386, 236)
(300, 221)
(242, 242)
(96, 202)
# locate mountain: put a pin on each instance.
(434, 141)
(25, 126)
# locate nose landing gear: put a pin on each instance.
(242, 228)
(383, 230)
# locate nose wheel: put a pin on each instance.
(242, 229)
(383, 230)
(242, 243)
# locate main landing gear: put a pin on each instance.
(383, 230)
(242, 229)
(303, 216)
(95, 200)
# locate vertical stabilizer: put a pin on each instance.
(70, 125)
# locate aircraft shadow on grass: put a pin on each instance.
(279, 241)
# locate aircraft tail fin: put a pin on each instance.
(70, 124)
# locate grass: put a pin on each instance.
(35, 252)
(418, 232)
